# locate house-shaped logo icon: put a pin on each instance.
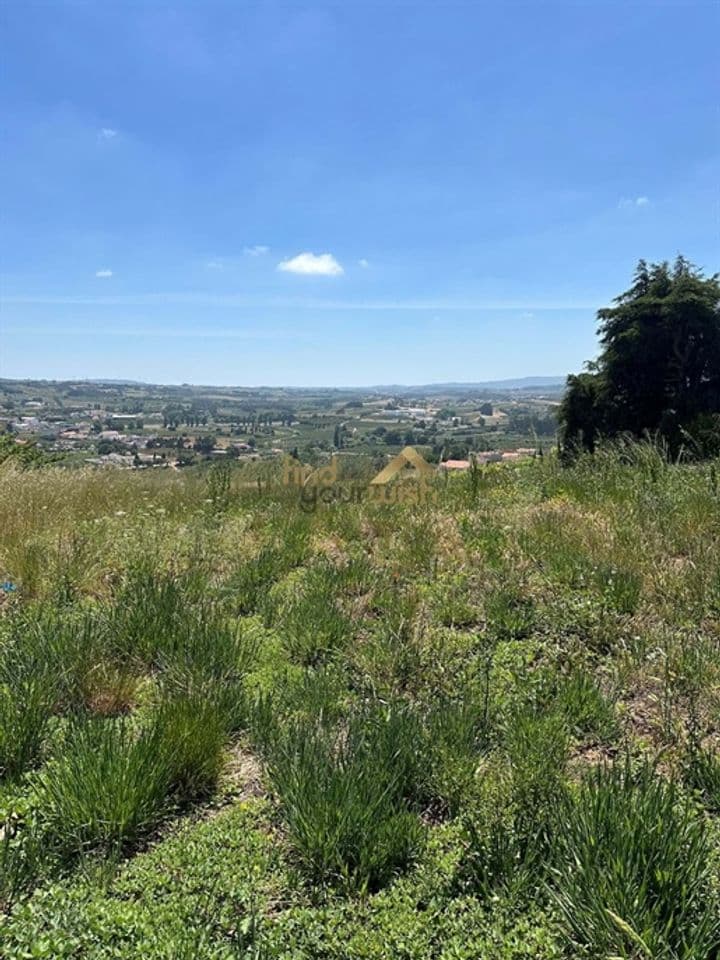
(409, 462)
(324, 485)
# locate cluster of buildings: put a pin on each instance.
(490, 456)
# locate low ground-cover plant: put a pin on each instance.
(195, 896)
(24, 853)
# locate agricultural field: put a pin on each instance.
(484, 724)
(143, 426)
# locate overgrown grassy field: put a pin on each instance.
(486, 726)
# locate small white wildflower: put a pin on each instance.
(119, 513)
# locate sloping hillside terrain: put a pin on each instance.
(481, 725)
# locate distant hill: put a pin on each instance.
(550, 384)
(117, 383)
(517, 383)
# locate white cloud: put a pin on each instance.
(310, 264)
(256, 251)
(107, 133)
(103, 274)
(626, 202)
(362, 262)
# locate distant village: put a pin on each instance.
(163, 431)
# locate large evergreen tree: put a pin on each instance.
(659, 368)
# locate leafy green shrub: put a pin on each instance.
(341, 793)
(634, 871)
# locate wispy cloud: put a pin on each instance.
(626, 202)
(311, 264)
(104, 273)
(362, 262)
(256, 251)
(107, 133)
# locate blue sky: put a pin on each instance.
(344, 193)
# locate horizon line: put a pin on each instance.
(529, 381)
